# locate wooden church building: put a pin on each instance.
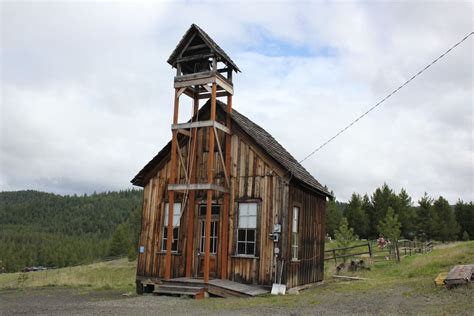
(223, 201)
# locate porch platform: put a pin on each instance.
(223, 288)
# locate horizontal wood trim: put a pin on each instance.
(200, 124)
(244, 257)
(196, 186)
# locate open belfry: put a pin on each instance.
(227, 210)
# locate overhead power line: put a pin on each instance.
(387, 97)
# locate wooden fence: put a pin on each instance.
(347, 252)
(393, 251)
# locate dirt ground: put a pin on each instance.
(316, 301)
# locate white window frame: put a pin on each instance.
(295, 233)
(247, 220)
(176, 220)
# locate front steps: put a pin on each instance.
(194, 291)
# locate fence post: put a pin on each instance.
(370, 248)
(397, 250)
(334, 254)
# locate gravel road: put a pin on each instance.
(66, 301)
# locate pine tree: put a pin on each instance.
(465, 236)
(447, 226)
(356, 216)
(381, 199)
(426, 218)
(121, 242)
(344, 236)
(389, 227)
(407, 214)
(333, 217)
(465, 217)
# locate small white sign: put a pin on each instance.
(142, 249)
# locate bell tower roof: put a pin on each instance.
(196, 42)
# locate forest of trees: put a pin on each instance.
(55, 231)
(428, 219)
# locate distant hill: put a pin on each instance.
(46, 229)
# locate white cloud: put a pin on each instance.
(87, 94)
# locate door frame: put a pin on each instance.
(198, 255)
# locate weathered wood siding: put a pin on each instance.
(253, 178)
(310, 266)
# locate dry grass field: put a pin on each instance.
(405, 288)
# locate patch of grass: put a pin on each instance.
(413, 276)
(117, 274)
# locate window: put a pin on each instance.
(213, 239)
(294, 233)
(247, 229)
(176, 216)
(215, 210)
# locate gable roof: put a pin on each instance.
(262, 138)
(209, 42)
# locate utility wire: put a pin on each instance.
(388, 96)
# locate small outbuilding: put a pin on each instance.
(223, 200)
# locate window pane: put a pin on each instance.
(243, 221)
(241, 235)
(175, 232)
(174, 245)
(252, 209)
(212, 243)
(247, 215)
(252, 222)
(251, 235)
(176, 214)
(243, 209)
(250, 248)
(295, 219)
(240, 248)
(294, 251)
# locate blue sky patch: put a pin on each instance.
(267, 44)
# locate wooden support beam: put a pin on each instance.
(184, 132)
(224, 84)
(196, 187)
(224, 255)
(208, 95)
(181, 90)
(187, 45)
(194, 57)
(192, 197)
(208, 89)
(222, 157)
(172, 180)
(182, 163)
(210, 180)
(197, 46)
(198, 124)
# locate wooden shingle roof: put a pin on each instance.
(216, 49)
(296, 172)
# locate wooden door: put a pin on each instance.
(214, 240)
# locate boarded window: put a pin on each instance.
(247, 229)
(176, 216)
(294, 233)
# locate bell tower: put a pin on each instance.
(203, 71)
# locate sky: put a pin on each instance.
(87, 95)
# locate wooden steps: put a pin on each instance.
(195, 291)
